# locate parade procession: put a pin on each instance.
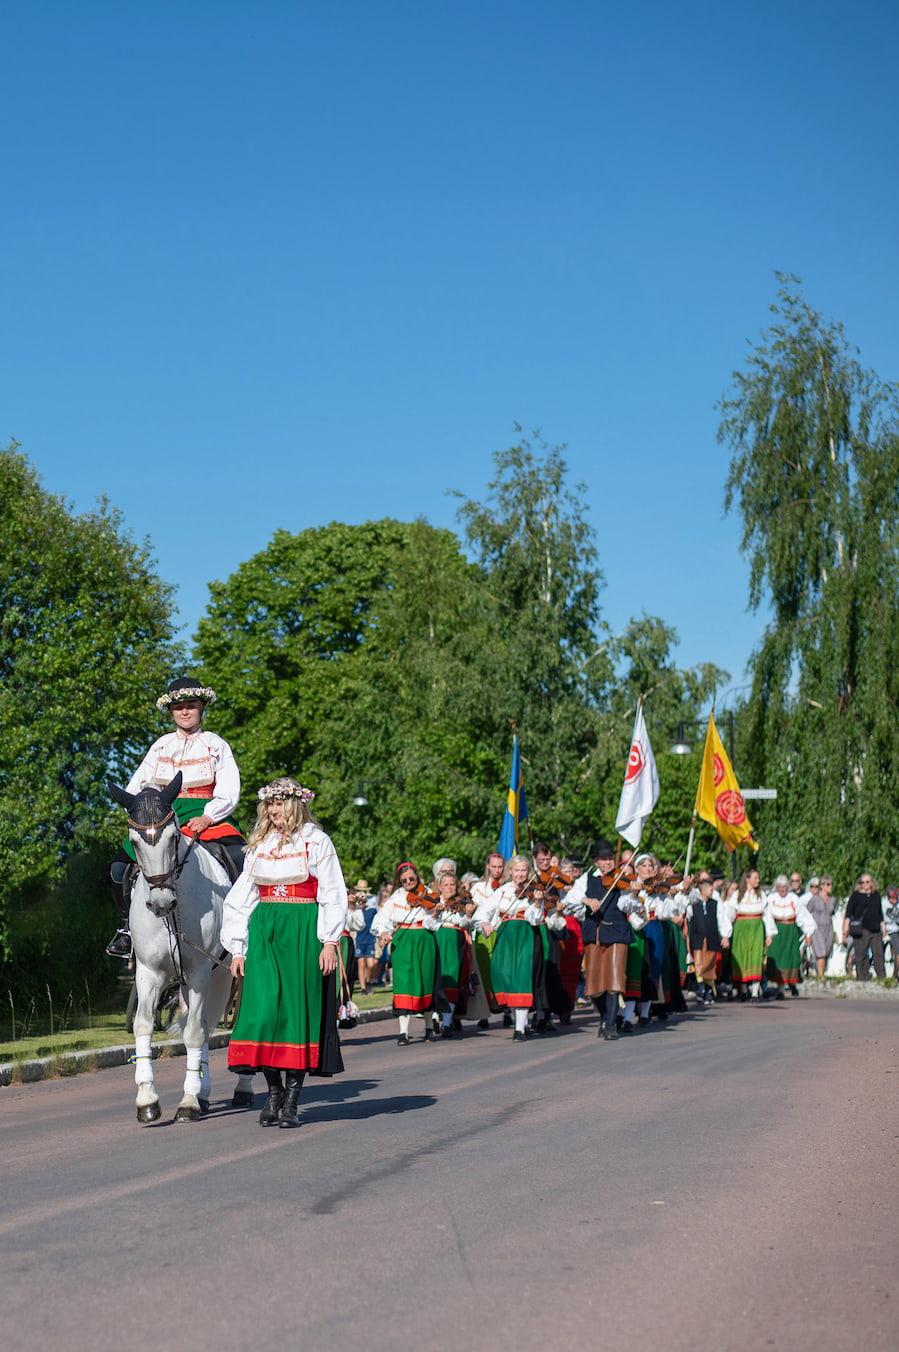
(533, 938)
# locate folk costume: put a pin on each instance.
(517, 966)
(705, 943)
(747, 921)
(210, 787)
(407, 922)
(482, 894)
(455, 957)
(289, 901)
(607, 936)
(793, 924)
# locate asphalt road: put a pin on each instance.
(723, 1181)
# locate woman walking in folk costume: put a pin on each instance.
(517, 967)
(407, 922)
(484, 894)
(454, 953)
(793, 924)
(282, 922)
(747, 929)
(210, 789)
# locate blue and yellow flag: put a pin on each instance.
(516, 807)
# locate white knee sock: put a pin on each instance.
(405, 1020)
(753, 989)
(143, 1069)
(629, 1007)
(643, 1008)
(521, 1019)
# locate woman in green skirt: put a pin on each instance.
(517, 967)
(747, 929)
(407, 921)
(282, 921)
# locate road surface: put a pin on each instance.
(723, 1181)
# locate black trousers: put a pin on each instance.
(874, 941)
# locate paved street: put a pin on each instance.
(725, 1181)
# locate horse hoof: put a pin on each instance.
(188, 1115)
(204, 1106)
(242, 1098)
(150, 1112)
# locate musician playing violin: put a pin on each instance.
(604, 908)
(408, 920)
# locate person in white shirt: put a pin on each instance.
(747, 928)
(407, 921)
(792, 920)
(210, 789)
(282, 922)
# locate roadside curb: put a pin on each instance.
(104, 1058)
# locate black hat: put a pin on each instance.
(601, 849)
(185, 687)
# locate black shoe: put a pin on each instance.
(507, 1020)
(610, 1034)
(404, 1040)
(626, 1029)
(289, 1116)
(781, 996)
(430, 1035)
(519, 1037)
(662, 1014)
(272, 1107)
(541, 1026)
(644, 1021)
(794, 992)
(456, 1025)
(120, 945)
(483, 1023)
(565, 1020)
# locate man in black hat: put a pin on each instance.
(210, 789)
(607, 934)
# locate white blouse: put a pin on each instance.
(202, 758)
(791, 907)
(309, 853)
(396, 913)
(753, 905)
(504, 902)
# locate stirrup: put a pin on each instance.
(120, 946)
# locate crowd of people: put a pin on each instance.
(531, 938)
(534, 937)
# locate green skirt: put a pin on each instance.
(483, 951)
(185, 809)
(512, 965)
(288, 1010)
(785, 954)
(633, 976)
(415, 964)
(747, 948)
(455, 965)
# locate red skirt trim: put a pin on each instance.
(514, 1001)
(224, 831)
(412, 1004)
(278, 1055)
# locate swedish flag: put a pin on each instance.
(516, 807)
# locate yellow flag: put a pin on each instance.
(718, 797)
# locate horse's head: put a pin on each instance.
(155, 836)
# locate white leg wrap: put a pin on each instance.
(629, 1008)
(405, 1020)
(143, 1065)
(192, 1078)
(521, 1020)
(643, 1008)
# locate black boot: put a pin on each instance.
(272, 1107)
(610, 1032)
(295, 1080)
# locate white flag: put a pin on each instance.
(640, 791)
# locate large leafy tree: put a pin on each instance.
(86, 644)
(814, 474)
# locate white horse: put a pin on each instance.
(178, 892)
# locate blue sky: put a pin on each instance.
(269, 265)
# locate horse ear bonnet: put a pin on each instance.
(171, 790)
(120, 796)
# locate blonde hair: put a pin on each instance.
(296, 815)
(515, 859)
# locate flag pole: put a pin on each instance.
(690, 845)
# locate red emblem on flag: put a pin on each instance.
(730, 808)
(635, 763)
(718, 768)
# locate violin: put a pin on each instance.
(423, 897)
(553, 881)
(623, 879)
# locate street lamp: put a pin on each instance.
(681, 747)
(359, 798)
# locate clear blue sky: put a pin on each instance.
(311, 261)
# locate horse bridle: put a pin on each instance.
(152, 829)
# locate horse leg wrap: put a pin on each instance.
(192, 1077)
(143, 1064)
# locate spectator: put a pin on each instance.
(863, 924)
(366, 962)
(819, 904)
(891, 924)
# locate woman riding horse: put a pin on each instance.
(209, 791)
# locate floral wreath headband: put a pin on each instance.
(279, 789)
(203, 692)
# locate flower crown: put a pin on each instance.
(284, 788)
(203, 692)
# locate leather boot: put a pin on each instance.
(289, 1116)
(272, 1107)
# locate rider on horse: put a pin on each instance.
(210, 789)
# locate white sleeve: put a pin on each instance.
(332, 902)
(804, 918)
(534, 913)
(770, 922)
(240, 903)
(574, 898)
(556, 922)
(355, 921)
(725, 920)
(144, 773)
(430, 920)
(227, 783)
(486, 914)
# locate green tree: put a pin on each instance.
(814, 473)
(86, 644)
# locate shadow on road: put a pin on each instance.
(357, 1112)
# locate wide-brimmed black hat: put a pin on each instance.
(601, 849)
(185, 687)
